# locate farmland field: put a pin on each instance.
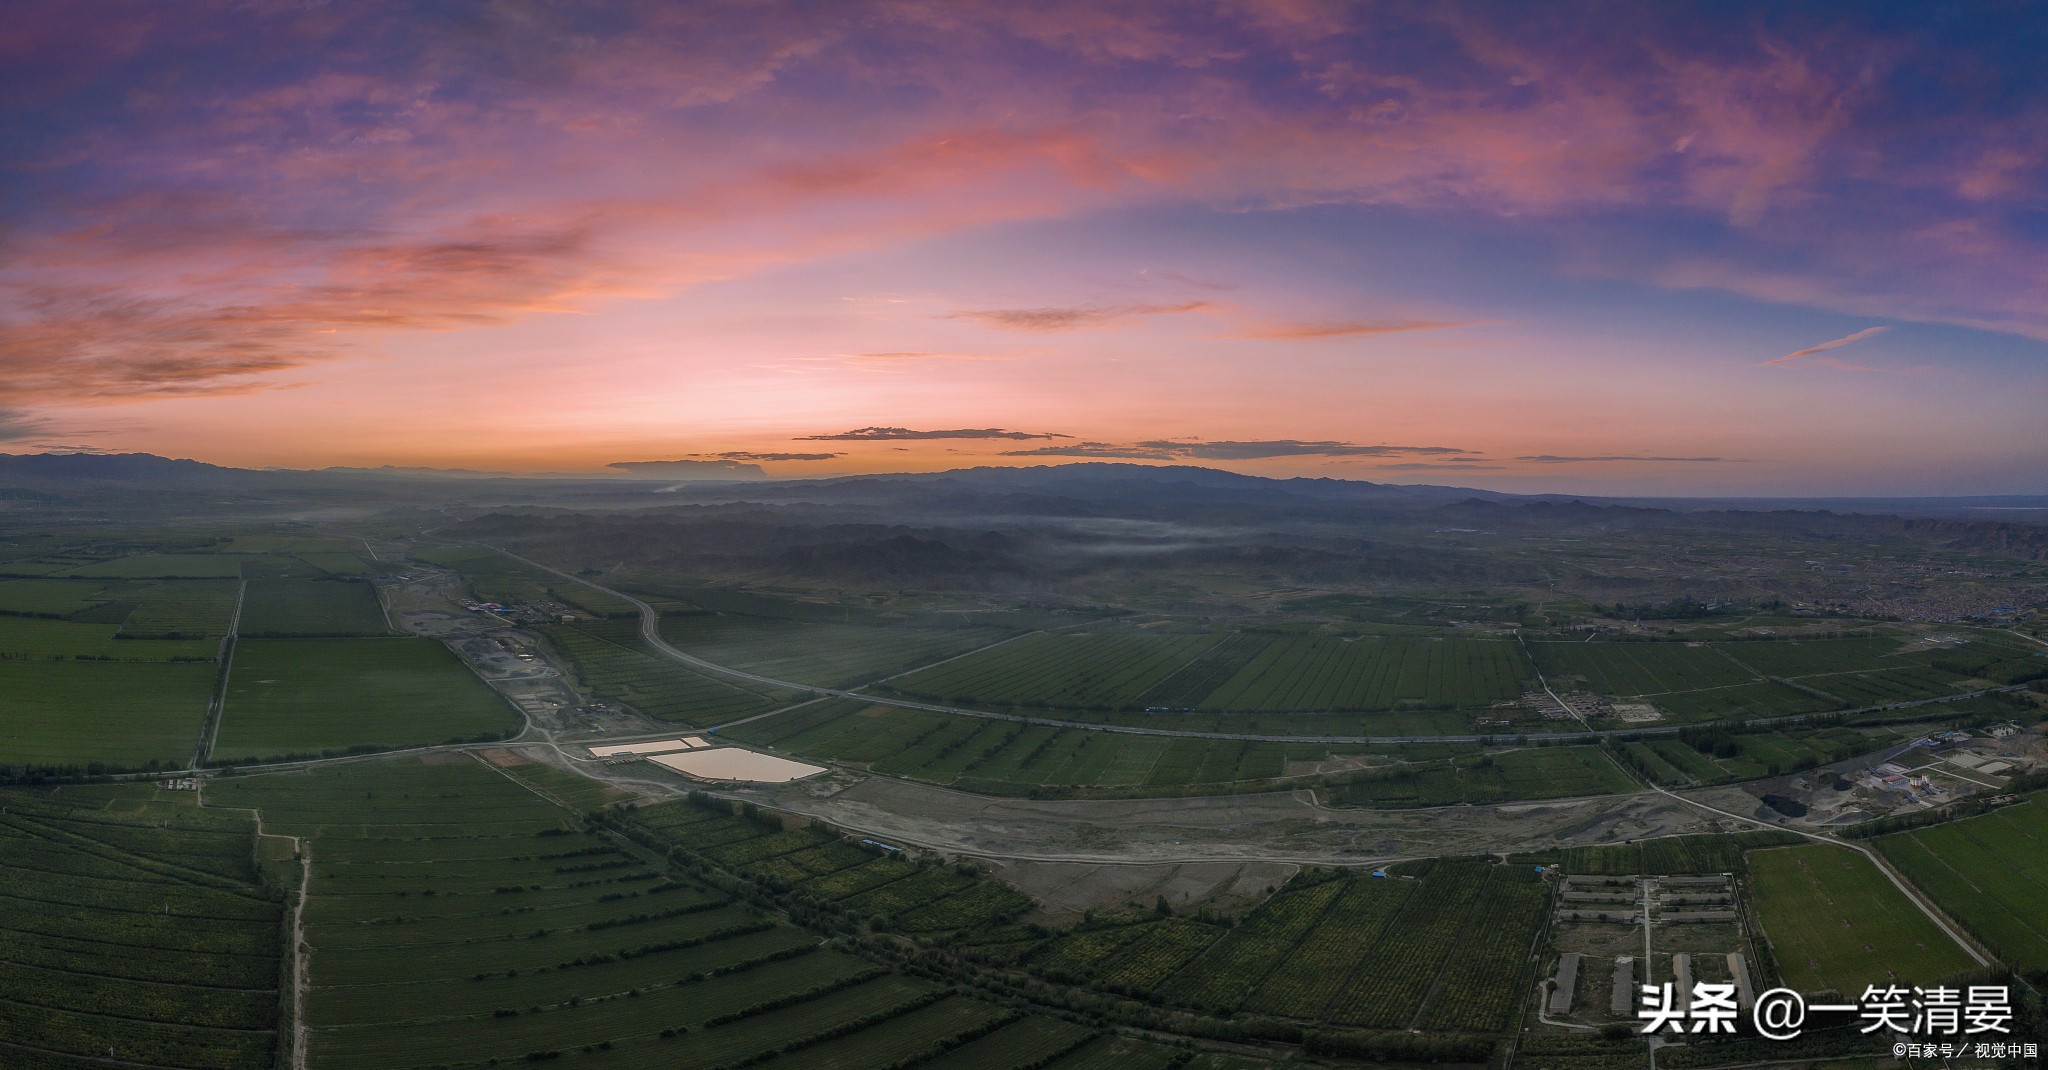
(1718, 680)
(1448, 948)
(610, 663)
(174, 609)
(1529, 773)
(1641, 668)
(40, 638)
(1374, 673)
(1061, 671)
(1471, 922)
(1990, 873)
(830, 872)
(163, 566)
(121, 714)
(335, 562)
(1834, 922)
(300, 696)
(1704, 853)
(497, 578)
(1229, 673)
(1009, 757)
(815, 652)
(135, 928)
(299, 607)
(48, 597)
(455, 917)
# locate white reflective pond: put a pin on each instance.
(733, 763)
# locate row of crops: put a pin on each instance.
(1011, 757)
(1375, 673)
(1058, 670)
(1248, 673)
(823, 869)
(109, 658)
(824, 653)
(1989, 873)
(1445, 949)
(137, 928)
(1229, 672)
(1722, 678)
(458, 918)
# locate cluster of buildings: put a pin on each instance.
(523, 613)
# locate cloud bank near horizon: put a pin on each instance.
(904, 434)
(1167, 450)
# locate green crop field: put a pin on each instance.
(1640, 668)
(456, 917)
(608, 661)
(1705, 853)
(1373, 673)
(1229, 673)
(816, 652)
(297, 607)
(336, 562)
(494, 577)
(1990, 873)
(49, 597)
(119, 714)
(831, 872)
(1530, 773)
(1475, 920)
(1835, 923)
(307, 696)
(175, 609)
(1724, 680)
(1010, 757)
(1062, 671)
(1448, 949)
(38, 637)
(163, 566)
(134, 928)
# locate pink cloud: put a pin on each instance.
(532, 164)
(1832, 343)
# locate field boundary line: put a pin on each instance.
(970, 653)
(101, 1059)
(300, 971)
(1914, 835)
(1184, 666)
(750, 718)
(209, 733)
(186, 1027)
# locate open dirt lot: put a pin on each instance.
(1284, 828)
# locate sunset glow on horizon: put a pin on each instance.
(1724, 249)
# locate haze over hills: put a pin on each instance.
(81, 478)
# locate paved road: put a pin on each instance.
(1927, 908)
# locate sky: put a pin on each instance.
(1718, 248)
